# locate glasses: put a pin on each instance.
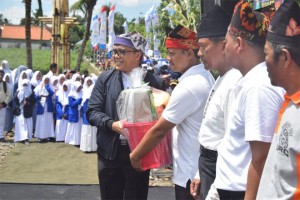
(120, 52)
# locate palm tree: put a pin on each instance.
(85, 6)
(40, 13)
(28, 32)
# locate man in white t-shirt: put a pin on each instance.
(255, 104)
(53, 70)
(184, 111)
(211, 38)
(280, 178)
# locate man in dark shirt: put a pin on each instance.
(118, 179)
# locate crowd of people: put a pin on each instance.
(47, 107)
(233, 138)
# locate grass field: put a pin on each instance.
(41, 59)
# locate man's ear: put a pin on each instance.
(240, 43)
(285, 57)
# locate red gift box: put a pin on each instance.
(160, 156)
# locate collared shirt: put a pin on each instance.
(281, 175)
(213, 125)
(185, 109)
(252, 117)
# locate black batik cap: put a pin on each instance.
(285, 26)
(214, 23)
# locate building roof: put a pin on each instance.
(18, 32)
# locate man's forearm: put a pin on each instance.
(254, 175)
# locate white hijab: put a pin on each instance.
(41, 90)
(24, 91)
(6, 67)
(59, 85)
(75, 76)
(73, 93)
(87, 90)
(63, 95)
(29, 73)
(52, 80)
(20, 78)
(10, 83)
(33, 80)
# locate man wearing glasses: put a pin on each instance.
(118, 179)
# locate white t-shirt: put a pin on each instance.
(185, 109)
(212, 129)
(252, 117)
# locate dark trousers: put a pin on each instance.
(182, 193)
(207, 170)
(231, 195)
(119, 180)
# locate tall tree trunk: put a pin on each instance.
(28, 32)
(90, 6)
(40, 13)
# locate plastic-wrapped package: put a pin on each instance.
(137, 105)
(140, 108)
(160, 156)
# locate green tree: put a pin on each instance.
(3, 20)
(119, 21)
(86, 7)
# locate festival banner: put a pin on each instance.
(103, 28)
(95, 36)
(111, 32)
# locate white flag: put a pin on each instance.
(111, 32)
(95, 31)
(125, 25)
(103, 26)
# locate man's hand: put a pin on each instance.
(136, 163)
(195, 188)
(118, 127)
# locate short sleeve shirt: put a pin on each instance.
(252, 117)
(280, 178)
(185, 109)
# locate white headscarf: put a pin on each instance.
(75, 76)
(94, 77)
(6, 67)
(29, 73)
(63, 95)
(59, 85)
(34, 81)
(10, 83)
(73, 93)
(41, 90)
(16, 72)
(87, 90)
(20, 78)
(24, 91)
(52, 80)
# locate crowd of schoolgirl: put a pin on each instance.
(48, 107)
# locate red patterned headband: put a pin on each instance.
(181, 43)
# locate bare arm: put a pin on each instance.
(259, 154)
(150, 140)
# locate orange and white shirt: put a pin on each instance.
(281, 175)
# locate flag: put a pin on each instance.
(103, 27)
(95, 31)
(125, 25)
(111, 32)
